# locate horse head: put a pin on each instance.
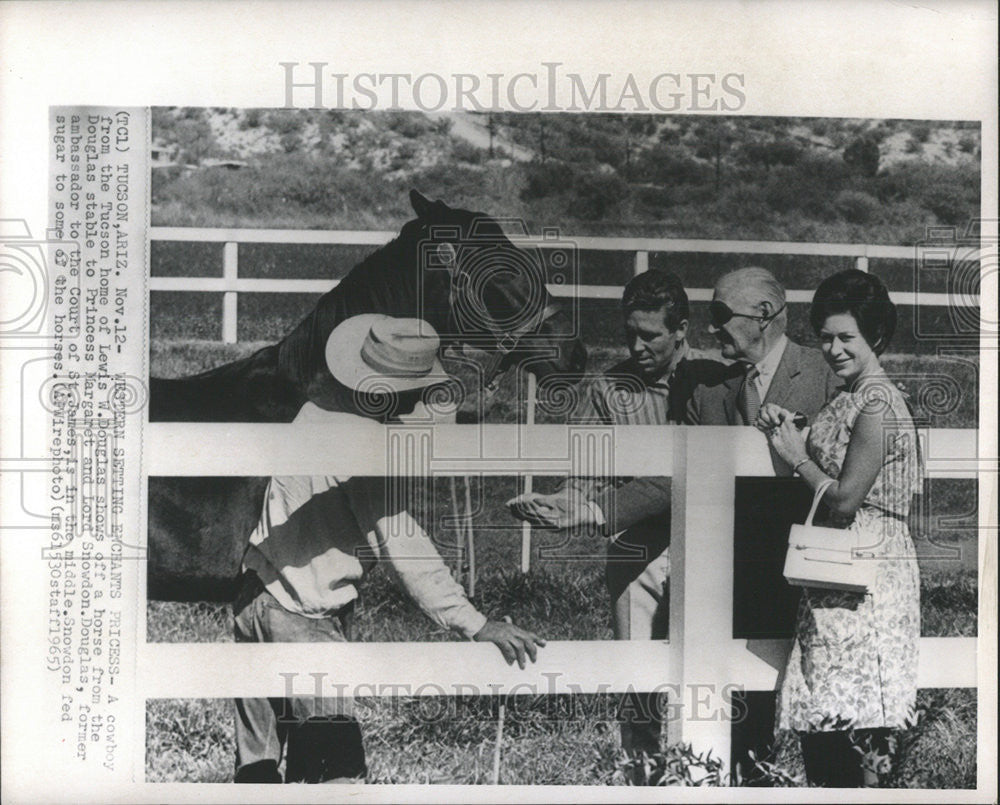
(456, 269)
(492, 277)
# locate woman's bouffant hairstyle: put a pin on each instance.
(863, 296)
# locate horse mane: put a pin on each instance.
(272, 384)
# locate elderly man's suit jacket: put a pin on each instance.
(802, 382)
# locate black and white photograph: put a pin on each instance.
(632, 270)
(498, 401)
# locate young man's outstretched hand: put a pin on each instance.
(514, 643)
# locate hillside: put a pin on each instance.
(682, 176)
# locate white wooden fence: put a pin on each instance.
(700, 665)
(230, 283)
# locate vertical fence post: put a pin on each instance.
(471, 550)
(641, 262)
(861, 263)
(230, 272)
(701, 587)
(459, 528)
(529, 420)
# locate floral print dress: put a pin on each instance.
(854, 659)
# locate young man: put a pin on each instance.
(641, 390)
(318, 536)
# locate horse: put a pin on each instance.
(455, 269)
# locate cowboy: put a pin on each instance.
(318, 536)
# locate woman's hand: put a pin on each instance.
(771, 416)
(788, 441)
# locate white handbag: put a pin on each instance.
(831, 558)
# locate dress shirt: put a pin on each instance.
(768, 365)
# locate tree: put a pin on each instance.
(862, 155)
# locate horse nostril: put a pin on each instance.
(578, 360)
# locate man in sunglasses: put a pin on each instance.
(748, 316)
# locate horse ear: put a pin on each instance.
(422, 205)
(427, 209)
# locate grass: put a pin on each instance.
(547, 740)
(939, 751)
(558, 740)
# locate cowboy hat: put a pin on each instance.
(375, 353)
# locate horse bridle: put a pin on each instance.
(504, 341)
(508, 342)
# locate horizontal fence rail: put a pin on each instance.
(701, 665)
(199, 448)
(197, 670)
(230, 283)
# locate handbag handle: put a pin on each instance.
(816, 498)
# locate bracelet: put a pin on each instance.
(800, 463)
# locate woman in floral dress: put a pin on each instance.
(852, 674)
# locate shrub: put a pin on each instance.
(195, 140)
(951, 205)
(404, 155)
(856, 207)
(595, 194)
(670, 136)
(579, 155)
(967, 144)
(290, 142)
(547, 179)
(464, 151)
(656, 198)
(820, 127)
(285, 121)
(863, 155)
(452, 182)
(951, 192)
(746, 203)
(251, 119)
(661, 165)
(407, 124)
(808, 187)
(770, 154)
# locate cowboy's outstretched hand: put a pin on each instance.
(514, 642)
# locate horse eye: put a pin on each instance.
(446, 254)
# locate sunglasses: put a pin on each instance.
(720, 313)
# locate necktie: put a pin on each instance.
(750, 397)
